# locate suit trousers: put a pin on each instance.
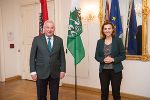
(42, 88)
(107, 76)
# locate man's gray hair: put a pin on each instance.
(48, 21)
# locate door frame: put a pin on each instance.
(2, 64)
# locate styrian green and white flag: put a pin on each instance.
(74, 41)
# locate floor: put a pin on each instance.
(26, 90)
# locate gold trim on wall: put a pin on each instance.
(101, 14)
(145, 12)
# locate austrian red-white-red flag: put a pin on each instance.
(43, 15)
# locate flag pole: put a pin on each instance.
(75, 82)
(74, 42)
(75, 71)
(128, 21)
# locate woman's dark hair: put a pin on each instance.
(108, 23)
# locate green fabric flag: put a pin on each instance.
(74, 42)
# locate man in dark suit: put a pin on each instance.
(47, 62)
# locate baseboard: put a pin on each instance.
(97, 91)
(82, 88)
(17, 77)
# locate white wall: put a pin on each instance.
(135, 74)
(1, 50)
(11, 23)
(136, 78)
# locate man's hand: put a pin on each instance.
(62, 75)
(34, 77)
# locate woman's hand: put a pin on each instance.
(108, 60)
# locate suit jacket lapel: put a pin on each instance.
(113, 46)
(102, 46)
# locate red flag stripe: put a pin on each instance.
(44, 10)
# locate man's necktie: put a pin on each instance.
(49, 44)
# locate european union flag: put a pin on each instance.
(115, 17)
(132, 43)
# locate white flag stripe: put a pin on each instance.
(74, 3)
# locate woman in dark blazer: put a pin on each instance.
(110, 52)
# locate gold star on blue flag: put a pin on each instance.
(114, 18)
